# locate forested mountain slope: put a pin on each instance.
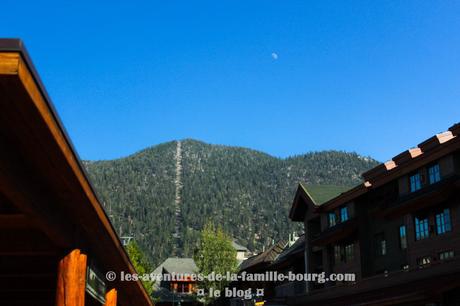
(247, 192)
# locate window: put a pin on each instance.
(337, 254)
(415, 182)
(349, 252)
(332, 219)
(446, 255)
(421, 228)
(402, 237)
(424, 261)
(344, 253)
(183, 288)
(443, 223)
(383, 247)
(381, 244)
(344, 214)
(434, 173)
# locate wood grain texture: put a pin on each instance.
(71, 282)
(9, 63)
(111, 298)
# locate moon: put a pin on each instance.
(274, 55)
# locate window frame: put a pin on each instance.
(329, 215)
(349, 252)
(451, 255)
(415, 185)
(443, 222)
(342, 210)
(381, 244)
(337, 254)
(421, 227)
(403, 237)
(435, 176)
(424, 261)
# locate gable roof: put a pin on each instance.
(297, 247)
(178, 266)
(302, 200)
(239, 247)
(314, 195)
(264, 258)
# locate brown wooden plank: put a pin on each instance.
(24, 189)
(25, 242)
(9, 63)
(27, 298)
(19, 283)
(12, 221)
(14, 264)
(6, 207)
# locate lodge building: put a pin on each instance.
(57, 245)
(398, 231)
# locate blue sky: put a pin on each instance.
(375, 77)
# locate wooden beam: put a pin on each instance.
(23, 283)
(27, 298)
(71, 282)
(111, 298)
(24, 188)
(13, 221)
(6, 207)
(9, 63)
(14, 264)
(24, 242)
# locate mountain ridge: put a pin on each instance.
(229, 146)
(246, 191)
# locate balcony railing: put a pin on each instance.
(290, 289)
(336, 232)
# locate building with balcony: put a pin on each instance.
(398, 232)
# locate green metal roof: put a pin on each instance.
(239, 247)
(178, 266)
(322, 193)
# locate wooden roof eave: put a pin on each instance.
(392, 170)
(423, 159)
(302, 203)
(15, 63)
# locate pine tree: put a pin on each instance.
(140, 263)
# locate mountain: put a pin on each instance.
(163, 195)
